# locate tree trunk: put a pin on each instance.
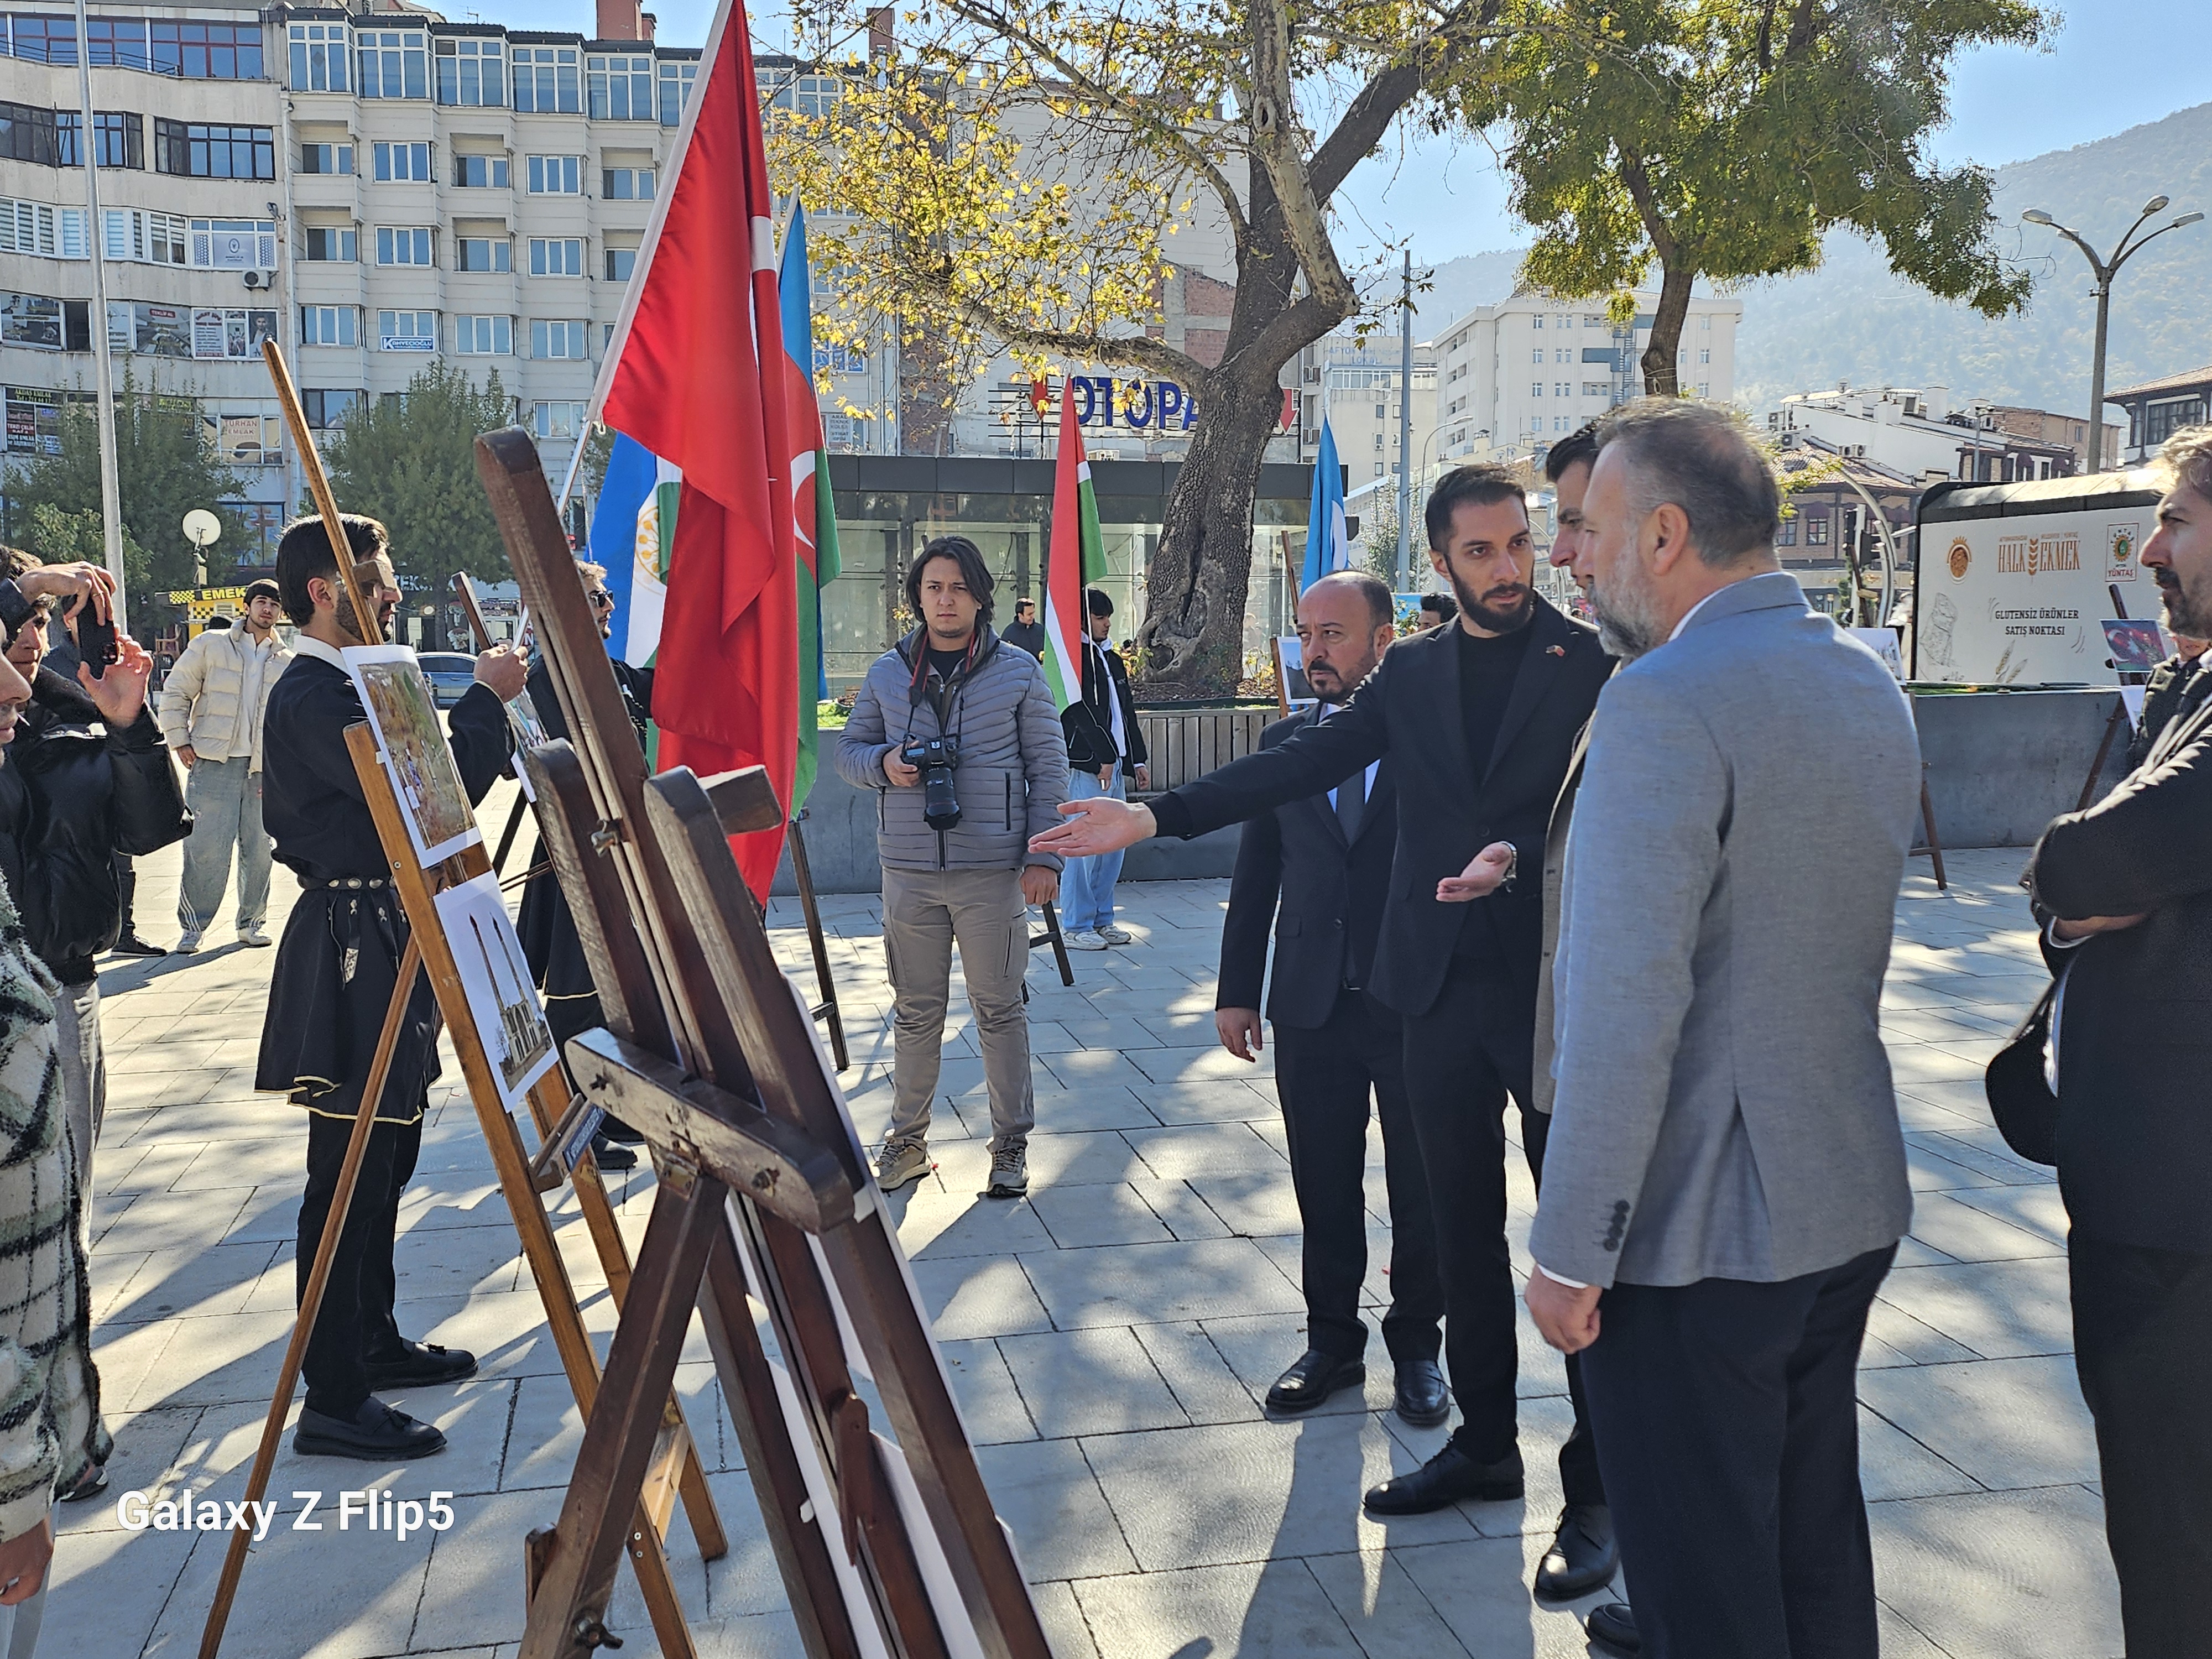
(1661, 356)
(1193, 638)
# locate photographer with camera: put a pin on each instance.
(959, 732)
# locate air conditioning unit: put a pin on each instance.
(255, 279)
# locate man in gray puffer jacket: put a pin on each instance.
(958, 868)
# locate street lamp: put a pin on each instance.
(2106, 270)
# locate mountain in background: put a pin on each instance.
(1852, 320)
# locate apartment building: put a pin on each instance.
(1915, 432)
(1361, 384)
(1513, 376)
(375, 187)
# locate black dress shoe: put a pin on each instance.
(611, 1155)
(1612, 1627)
(418, 1364)
(376, 1433)
(1315, 1377)
(1422, 1399)
(615, 1129)
(1584, 1554)
(132, 946)
(1450, 1477)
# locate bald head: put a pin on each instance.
(1344, 624)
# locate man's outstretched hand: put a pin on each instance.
(1480, 878)
(1101, 824)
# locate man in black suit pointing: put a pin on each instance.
(1481, 718)
(1327, 858)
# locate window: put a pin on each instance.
(338, 242)
(621, 261)
(675, 81)
(326, 158)
(2169, 418)
(327, 325)
(207, 51)
(202, 151)
(119, 139)
(326, 410)
(41, 228)
(232, 336)
(157, 239)
(1704, 388)
(621, 89)
(472, 72)
(1787, 536)
(1593, 322)
(28, 134)
(1537, 390)
(400, 245)
(1706, 322)
(1561, 422)
(494, 253)
(402, 164)
(31, 320)
(1381, 411)
(319, 57)
(407, 330)
(480, 171)
(556, 176)
(1816, 529)
(626, 183)
(558, 420)
(1378, 469)
(1378, 441)
(565, 340)
(45, 39)
(1593, 388)
(809, 95)
(1564, 389)
(1537, 321)
(483, 336)
(557, 256)
(1704, 354)
(393, 64)
(235, 243)
(1537, 356)
(545, 81)
(1563, 354)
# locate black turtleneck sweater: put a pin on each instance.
(1486, 671)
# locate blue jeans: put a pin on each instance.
(1086, 885)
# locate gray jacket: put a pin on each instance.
(1725, 1105)
(1012, 774)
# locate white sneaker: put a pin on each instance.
(1114, 935)
(190, 942)
(1083, 938)
(254, 935)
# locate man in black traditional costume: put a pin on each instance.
(335, 972)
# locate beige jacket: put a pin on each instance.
(213, 699)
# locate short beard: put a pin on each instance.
(1628, 624)
(1492, 621)
(2186, 612)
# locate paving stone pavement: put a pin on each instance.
(1111, 1338)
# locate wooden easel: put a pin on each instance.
(673, 1467)
(465, 594)
(827, 1010)
(764, 1193)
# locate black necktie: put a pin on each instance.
(1351, 804)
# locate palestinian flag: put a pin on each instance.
(1076, 559)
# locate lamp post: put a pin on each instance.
(2106, 270)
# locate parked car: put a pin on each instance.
(450, 674)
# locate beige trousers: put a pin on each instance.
(925, 913)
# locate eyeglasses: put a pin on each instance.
(601, 599)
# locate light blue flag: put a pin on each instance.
(1327, 547)
(632, 531)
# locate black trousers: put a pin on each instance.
(1727, 1419)
(356, 1320)
(1462, 1058)
(1324, 1077)
(2142, 1347)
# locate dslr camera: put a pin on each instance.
(935, 758)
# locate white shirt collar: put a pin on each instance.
(305, 647)
(1708, 599)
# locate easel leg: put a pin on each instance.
(2097, 766)
(828, 1009)
(1934, 846)
(507, 836)
(311, 1301)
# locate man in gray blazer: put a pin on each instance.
(1725, 1185)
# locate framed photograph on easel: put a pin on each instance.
(412, 740)
(488, 955)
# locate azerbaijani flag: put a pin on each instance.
(1078, 557)
(813, 504)
(1327, 547)
(697, 376)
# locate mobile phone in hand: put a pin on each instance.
(95, 641)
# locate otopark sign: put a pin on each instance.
(1140, 405)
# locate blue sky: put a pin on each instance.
(2113, 64)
